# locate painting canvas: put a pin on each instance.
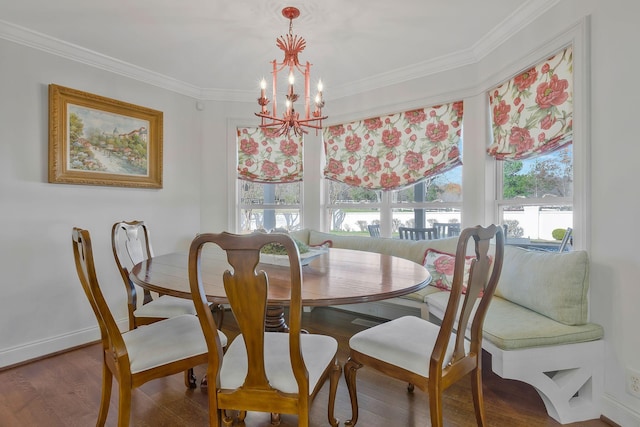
(100, 141)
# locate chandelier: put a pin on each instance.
(291, 119)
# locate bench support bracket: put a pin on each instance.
(569, 378)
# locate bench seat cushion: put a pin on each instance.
(510, 326)
(422, 294)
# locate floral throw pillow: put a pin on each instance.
(441, 265)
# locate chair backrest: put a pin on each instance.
(374, 230)
(465, 312)
(110, 333)
(565, 240)
(447, 229)
(408, 233)
(247, 292)
(131, 245)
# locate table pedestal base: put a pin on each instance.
(274, 321)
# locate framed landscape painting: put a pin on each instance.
(95, 140)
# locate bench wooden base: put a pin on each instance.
(569, 378)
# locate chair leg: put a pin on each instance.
(107, 385)
(227, 420)
(350, 370)
(435, 402)
(275, 419)
(218, 314)
(190, 380)
(334, 378)
(217, 416)
(124, 404)
(478, 399)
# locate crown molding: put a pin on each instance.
(523, 16)
(24, 36)
(520, 18)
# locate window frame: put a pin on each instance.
(234, 205)
(502, 203)
(386, 205)
(266, 206)
(578, 36)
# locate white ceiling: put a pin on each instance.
(222, 48)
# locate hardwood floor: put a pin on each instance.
(64, 390)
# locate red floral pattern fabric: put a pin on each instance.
(440, 265)
(390, 152)
(264, 157)
(533, 112)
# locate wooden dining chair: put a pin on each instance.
(274, 372)
(408, 233)
(135, 357)
(434, 357)
(131, 244)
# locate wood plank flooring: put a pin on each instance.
(64, 390)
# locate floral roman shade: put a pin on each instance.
(390, 152)
(532, 113)
(264, 157)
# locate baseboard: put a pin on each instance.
(619, 413)
(34, 350)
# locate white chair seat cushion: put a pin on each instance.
(166, 341)
(165, 307)
(318, 351)
(406, 342)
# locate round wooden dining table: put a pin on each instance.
(336, 277)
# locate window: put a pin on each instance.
(436, 199)
(536, 195)
(402, 169)
(532, 123)
(269, 176)
(269, 206)
(351, 209)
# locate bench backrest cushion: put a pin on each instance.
(408, 249)
(550, 283)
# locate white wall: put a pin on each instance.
(39, 287)
(615, 269)
(42, 307)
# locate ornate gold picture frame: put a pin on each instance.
(95, 140)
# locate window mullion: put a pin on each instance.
(385, 214)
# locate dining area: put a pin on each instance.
(157, 369)
(224, 334)
(230, 315)
(64, 390)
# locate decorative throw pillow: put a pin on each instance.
(441, 265)
(325, 244)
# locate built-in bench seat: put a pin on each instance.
(510, 327)
(536, 328)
